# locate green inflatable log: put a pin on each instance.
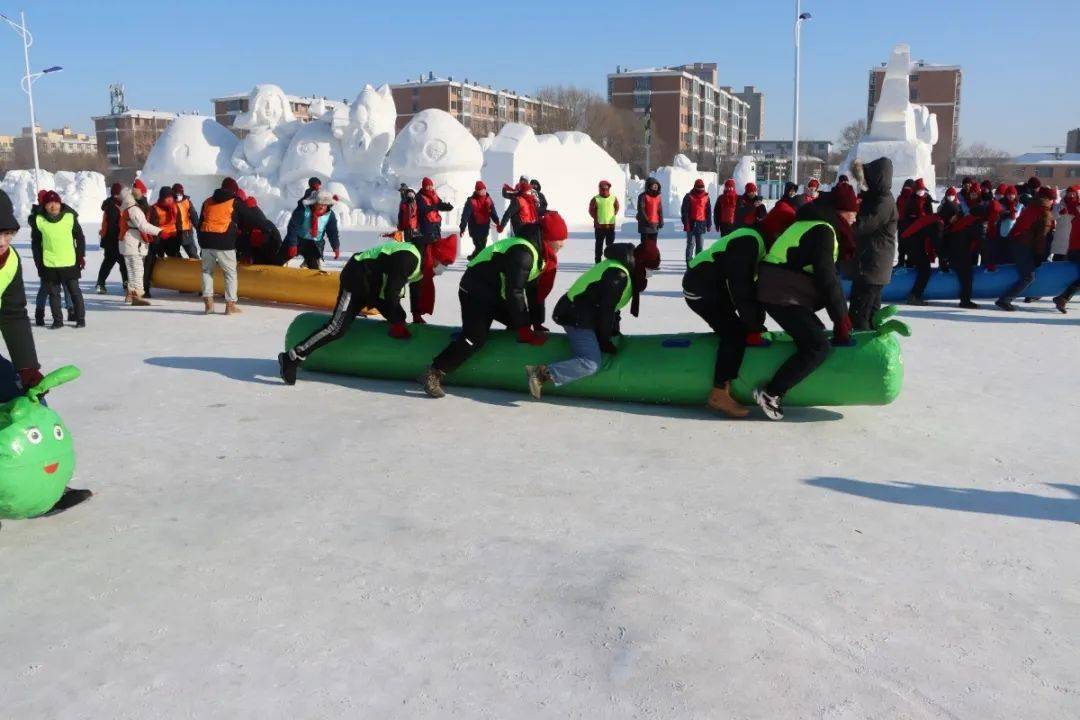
(668, 369)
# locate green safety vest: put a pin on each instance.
(605, 209)
(389, 249)
(594, 274)
(8, 272)
(778, 253)
(501, 248)
(709, 254)
(57, 240)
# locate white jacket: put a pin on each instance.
(132, 242)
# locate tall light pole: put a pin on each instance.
(800, 16)
(28, 85)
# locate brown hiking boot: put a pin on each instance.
(537, 375)
(128, 297)
(720, 400)
(232, 309)
(431, 380)
(1061, 304)
(208, 306)
(137, 299)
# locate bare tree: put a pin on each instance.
(981, 159)
(850, 136)
(23, 159)
(619, 131)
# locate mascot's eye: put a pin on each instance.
(58, 432)
(34, 436)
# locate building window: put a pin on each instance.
(1073, 172)
(1044, 172)
(641, 101)
(642, 84)
(914, 93)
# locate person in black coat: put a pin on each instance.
(875, 242)
(541, 199)
(59, 249)
(110, 239)
(792, 294)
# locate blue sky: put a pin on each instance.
(1019, 88)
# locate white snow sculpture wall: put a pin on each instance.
(195, 151)
(745, 172)
(83, 191)
(678, 179)
(370, 132)
(568, 165)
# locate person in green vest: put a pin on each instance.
(373, 278)
(22, 372)
(720, 285)
(796, 278)
(589, 312)
(59, 248)
(500, 284)
(604, 210)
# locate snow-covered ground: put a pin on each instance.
(350, 548)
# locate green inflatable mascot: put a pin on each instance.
(37, 456)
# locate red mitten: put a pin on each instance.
(842, 331)
(398, 331)
(754, 339)
(291, 252)
(527, 336)
(30, 377)
(337, 253)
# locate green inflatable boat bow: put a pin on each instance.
(37, 456)
(675, 369)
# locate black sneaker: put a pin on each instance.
(80, 323)
(56, 325)
(71, 316)
(288, 365)
(39, 321)
(769, 404)
(102, 290)
(1006, 305)
(1061, 304)
(968, 305)
(915, 300)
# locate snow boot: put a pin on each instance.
(1006, 305)
(71, 316)
(418, 319)
(915, 300)
(769, 404)
(102, 290)
(39, 319)
(537, 375)
(1060, 303)
(431, 380)
(232, 309)
(57, 324)
(968, 305)
(720, 399)
(80, 323)
(208, 306)
(288, 364)
(137, 299)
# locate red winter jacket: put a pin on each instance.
(725, 208)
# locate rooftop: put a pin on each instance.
(1047, 159)
(433, 79)
(290, 98)
(151, 114)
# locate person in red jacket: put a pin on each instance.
(782, 215)
(604, 211)
(813, 188)
(1072, 208)
(1027, 243)
(696, 218)
(724, 210)
(750, 210)
(164, 214)
(523, 213)
(478, 215)
(408, 218)
(650, 219)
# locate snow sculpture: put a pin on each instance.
(369, 133)
(901, 131)
(270, 124)
(678, 179)
(437, 146)
(194, 151)
(568, 165)
(83, 191)
(745, 172)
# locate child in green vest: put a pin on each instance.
(59, 248)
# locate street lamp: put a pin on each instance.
(28, 85)
(800, 16)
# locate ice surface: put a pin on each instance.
(568, 165)
(83, 191)
(348, 548)
(901, 131)
(195, 151)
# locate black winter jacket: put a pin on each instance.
(875, 227)
(387, 275)
(110, 210)
(597, 307)
(483, 282)
(734, 273)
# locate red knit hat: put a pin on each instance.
(920, 184)
(523, 187)
(479, 186)
(115, 189)
(604, 183)
(553, 227)
(426, 183)
(1002, 188)
(751, 188)
(729, 184)
(49, 197)
(1044, 193)
(139, 185)
(813, 183)
(41, 196)
(699, 184)
(951, 191)
(844, 198)
(250, 201)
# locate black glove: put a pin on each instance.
(445, 207)
(608, 348)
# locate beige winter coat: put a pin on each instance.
(132, 242)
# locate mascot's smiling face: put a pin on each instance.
(37, 458)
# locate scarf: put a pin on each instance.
(315, 215)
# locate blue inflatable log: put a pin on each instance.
(1050, 279)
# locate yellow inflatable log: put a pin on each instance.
(270, 283)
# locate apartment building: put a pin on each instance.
(227, 107)
(64, 141)
(1059, 169)
(755, 118)
(691, 114)
(124, 139)
(938, 88)
(479, 108)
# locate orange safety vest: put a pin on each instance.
(183, 207)
(124, 225)
(165, 220)
(216, 217)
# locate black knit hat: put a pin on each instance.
(7, 214)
